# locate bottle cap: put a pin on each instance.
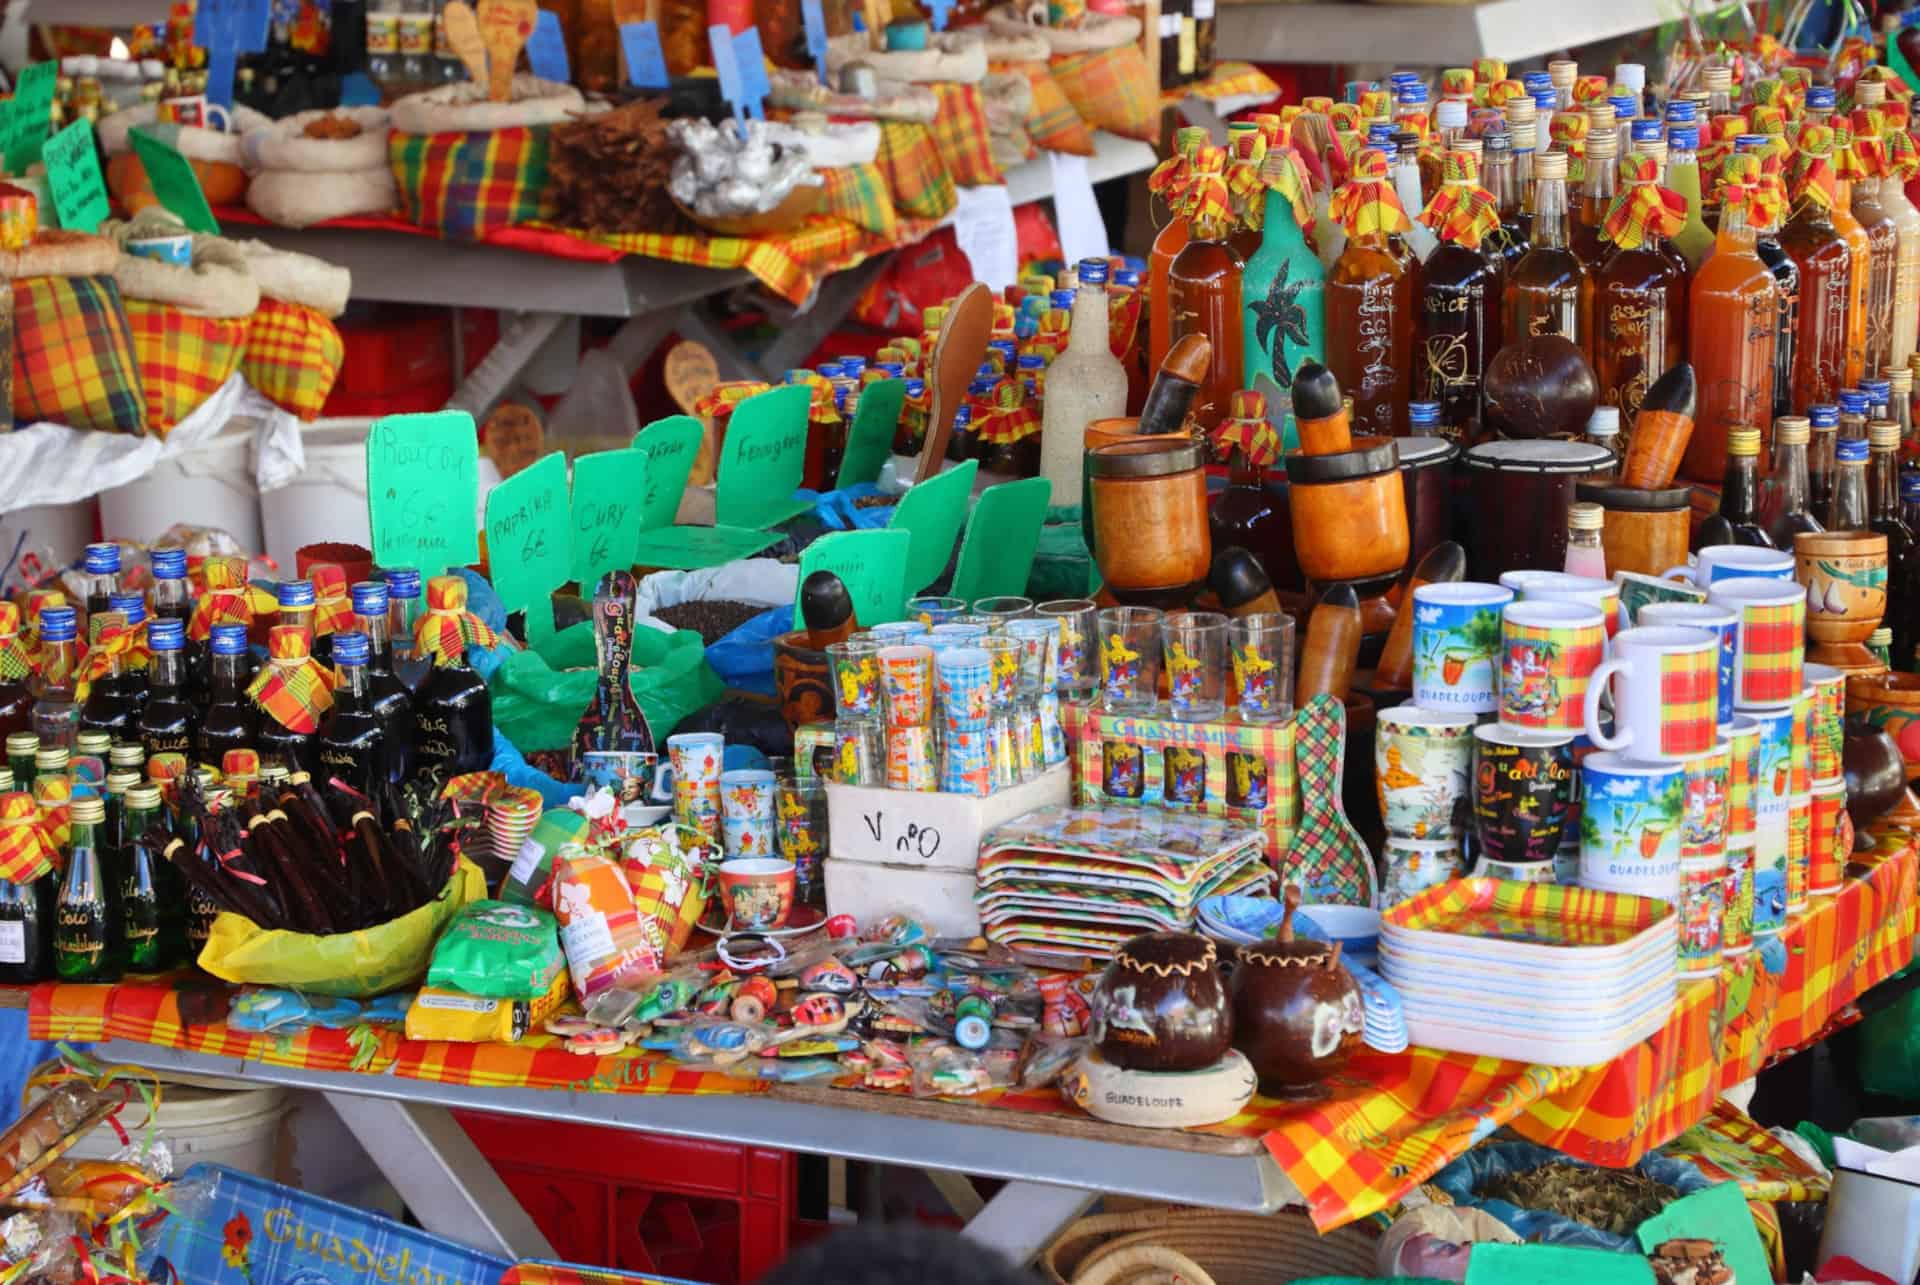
(402, 582)
(982, 387)
(962, 416)
(133, 756)
(1718, 76)
(1743, 141)
(1869, 93)
(1031, 361)
(1093, 272)
(1124, 277)
(1790, 430)
(1546, 101)
(1853, 401)
(1910, 486)
(853, 365)
(1523, 134)
(916, 388)
(57, 624)
(1825, 415)
(1399, 78)
(1743, 441)
(1876, 391)
(1684, 138)
(21, 744)
(369, 598)
(350, 649)
(1604, 422)
(88, 809)
(1550, 165)
(889, 369)
(1899, 380)
(1424, 414)
(1600, 124)
(1851, 450)
(1535, 80)
(1646, 131)
(1380, 134)
(1519, 109)
(1883, 434)
(1820, 97)
(1563, 72)
(131, 605)
(102, 560)
(229, 640)
(51, 758)
(294, 593)
(1881, 637)
(1625, 106)
(1680, 112)
(167, 633)
(143, 798)
(1005, 347)
(121, 782)
(1586, 516)
(1062, 299)
(95, 743)
(169, 564)
(830, 370)
(1413, 95)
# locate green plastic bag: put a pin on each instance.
(1889, 1049)
(499, 951)
(1062, 567)
(538, 696)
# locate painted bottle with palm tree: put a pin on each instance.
(1285, 287)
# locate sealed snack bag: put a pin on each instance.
(603, 935)
(498, 950)
(670, 867)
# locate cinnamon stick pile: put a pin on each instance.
(609, 172)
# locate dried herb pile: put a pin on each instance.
(1613, 1200)
(711, 618)
(609, 172)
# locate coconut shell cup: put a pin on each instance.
(1296, 1011)
(1162, 1005)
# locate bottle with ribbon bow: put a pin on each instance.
(1847, 168)
(1370, 298)
(1786, 274)
(1169, 182)
(1285, 288)
(1203, 285)
(453, 715)
(1869, 125)
(1640, 292)
(100, 685)
(292, 692)
(1461, 289)
(28, 888)
(1825, 262)
(16, 667)
(1732, 306)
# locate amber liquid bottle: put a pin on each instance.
(1370, 308)
(1732, 306)
(1203, 297)
(1509, 240)
(1545, 288)
(1786, 322)
(1461, 293)
(1171, 240)
(1639, 316)
(1590, 243)
(1859, 273)
(1825, 264)
(1883, 238)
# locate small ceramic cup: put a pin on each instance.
(1829, 731)
(1522, 789)
(1702, 910)
(1770, 641)
(1548, 652)
(757, 892)
(1829, 839)
(1845, 575)
(1736, 923)
(1741, 736)
(1665, 693)
(1456, 645)
(1421, 760)
(1719, 562)
(1558, 586)
(1630, 825)
(1411, 866)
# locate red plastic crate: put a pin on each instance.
(644, 1202)
(390, 347)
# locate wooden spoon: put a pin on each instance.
(463, 37)
(957, 353)
(505, 28)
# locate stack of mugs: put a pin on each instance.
(696, 759)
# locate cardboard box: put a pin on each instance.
(930, 831)
(941, 899)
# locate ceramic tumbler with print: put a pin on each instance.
(696, 757)
(1559, 586)
(1736, 925)
(697, 806)
(1800, 742)
(1631, 820)
(1129, 643)
(1829, 839)
(1799, 844)
(747, 794)
(1828, 732)
(1741, 736)
(1039, 641)
(1414, 865)
(1421, 759)
(1704, 807)
(1522, 780)
(1770, 641)
(1456, 645)
(1548, 652)
(747, 836)
(1772, 798)
(1719, 562)
(1665, 693)
(1702, 910)
(1721, 622)
(912, 763)
(963, 677)
(906, 674)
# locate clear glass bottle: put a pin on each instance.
(1406, 184)
(1853, 413)
(1597, 191)
(1732, 306)
(1790, 511)
(1461, 298)
(1900, 409)
(1509, 240)
(1603, 430)
(1585, 557)
(1545, 289)
(87, 932)
(1903, 163)
(1883, 250)
(1823, 423)
(1847, 508)
(132, 607)
(171, 598)
(1371, 301)
(404, 609)
(56, 706)
(296, 600)
(1860, 257)
(1087, 382)
(1883, 490)
(1695, 240)
(1639, 295)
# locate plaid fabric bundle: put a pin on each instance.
(25, 854)
(448, 628)
(1366, 202)
(74, 361)
(1462, 211)
(292, 690)
(915, 170)
(465, 185)
(1112, 90)
(1052, 123)
(183, 358)
(227, 600)
(1813, 175)
(53, 800)
(1752, 187)
(959, 132)
(110, 653)
(332, 608)
(1642, 207)
(1772, 642)
(1689, 696)
(1247, 429)
(1006, 417)
(1123, 319)
(15, 660)
(858, 194)
(293, 356)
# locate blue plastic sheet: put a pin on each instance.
(1465, 1176)
(837, 511)
(744, 657)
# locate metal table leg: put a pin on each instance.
(1025, 1217)
(441, 1175)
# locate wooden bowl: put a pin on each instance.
(1845, 575)
(784, 217)
(1890, 701)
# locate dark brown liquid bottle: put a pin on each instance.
(287, 725)
(453, 713)
(1639, 300)
(229, 722)
(1370, 301)
(1545, 289)
(1461, 295)
(1247, 515)
(1826, 265)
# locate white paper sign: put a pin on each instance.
(983, 225)
(1083, 233)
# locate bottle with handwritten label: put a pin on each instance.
(1876, 220)
(1169, 182)
(1545, 289)
(352, 742)
(1460, 296)
(1370, 299)
(1825, 262)
(87, 914)
(453, 713)
(230, 721)
(1846, 166)
(1640, 293)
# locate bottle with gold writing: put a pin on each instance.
(1545, 288)
(1732, 307)
(1509, 240)
(1370, 298)
(167, 723)
(1826, 270)
(453, 714)
(1639, 295)
(1460, 297)
(86, 929)
(1203, 286)
(1786, 273)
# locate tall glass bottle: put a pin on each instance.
(153, 899)
(1768, 218)
(1732, 306)
(1460, 297)
(171, 598)
(1824, 428)
(1406, 185)
(16, 671)
(405, 606)
(1739, 518)
(168, 723)
(1847, 507)
(26, 901)
(1086, 382)
(351, 744)
(613, 721)
(87, 928)
(101, 570)
(1790, 511)
(1903, 163)
(1694, 240)
(1883, 490)
(1523, 131)
(1284, 286)
(1639, 295)
(389, 696)
(1859, 244)
(292, 696)
(453, 713)
(1370, 299)
(1826, 273)
(56, 704)
(1883, 238)
(1597, 191)
(1203, 293)
(1509, 240)
(230, 721)
(108, 707)
(1544, 291)
(1169, 182)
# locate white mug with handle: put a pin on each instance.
(1665, 693)
(1730, 562)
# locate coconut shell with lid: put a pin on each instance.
(1296, 1011)
(1162, 1005)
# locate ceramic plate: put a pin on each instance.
(802, 920)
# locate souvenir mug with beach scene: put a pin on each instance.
(1456, 645)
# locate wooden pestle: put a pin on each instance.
(1332, 647)
(1445, 562)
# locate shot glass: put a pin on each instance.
(1261, 647)
(1003, 610)
(1077, 655)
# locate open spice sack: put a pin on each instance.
(294, 351)
(953, 67)
(320, 165)
(465, 166)
(1050, 120)
(916, 178)
(214, 154)
(74, 358)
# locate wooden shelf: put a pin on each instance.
(1428, 35)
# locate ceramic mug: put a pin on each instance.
(1630, 825)
(1829, 839)
(1702, 911)
(1558, 586)
(1722, 622)
(193, 109)
(1456, 644)
(1799, 853)
(757, 892)
(1415, 865)
(1704, 803)
(1736, 924)
(1548, 652)
(1421, 758)
(1664, 695)
(1522, 785)
(1829, 734)
(1845, 576)
(1741, 736)
(1719, 562)
(1770, 641)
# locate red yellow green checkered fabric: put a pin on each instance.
(292, 688)
(25, 853)
(1689, 701)
(915, 169)
(227, 600)
(1051, 121)
(183, 358)
(16, 661)
(959, 132)
(448, 628)
(1112, 90)
(464, 185)
(293, 356)
(1229, 80)
(858, 194)
(74, 361)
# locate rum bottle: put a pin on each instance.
(16, 670)
(291, 693)
(351, 746)
(1768, 218)
(1738, 521)
(168, 722)
(1860, 246)
(1823, 424)
(1883, 491)
(1597, 190)
(230, 721)
(1826, 273)
(132, 681)
(1733, 304)
(1544, 292)
(1695, 241)
(1509, 240)
(1284, 287)
(87, 928)
(108, 708)
(27, 912)
(1639, 296)
(1203, 291)
(1883, 239)
(453, 714)
(1461, 289)
(1791, 510)
(1903, 163)
(1370, 299)
(388, 696)
(1847, 506)
(1169, 182)
(171, 598)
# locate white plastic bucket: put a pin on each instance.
(237, 1127)
(58, 531)
(212, 486)
(327, 500)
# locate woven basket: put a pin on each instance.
(1242, 1249)
(1145, 1265)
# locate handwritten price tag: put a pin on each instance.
(73, 177)
(423, 481)
(608, 491)
(873, 566)
(528, 537)
(29, 115)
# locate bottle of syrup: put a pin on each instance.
(292, 696)
(390, 697)
(453, 714)
(87, 930)
(352, 742)
(168, 723)
(101, 570)
(171, 598)
(230, 721)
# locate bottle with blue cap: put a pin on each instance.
(230, 721)
(56, 706)
(1853, 413)
(404, 607)
(1823, 432)
(297, 600)
(1085, 383)
(101, 568)
(110, 705)
(168, 722)
(172, 597)
(132, 605)
(1847, 508)
(1694, 240)
(387, 696)
(352, 745)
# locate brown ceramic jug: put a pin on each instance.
(1296, 1011)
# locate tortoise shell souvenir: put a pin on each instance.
(1162, 1005)
(1296, 1011)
